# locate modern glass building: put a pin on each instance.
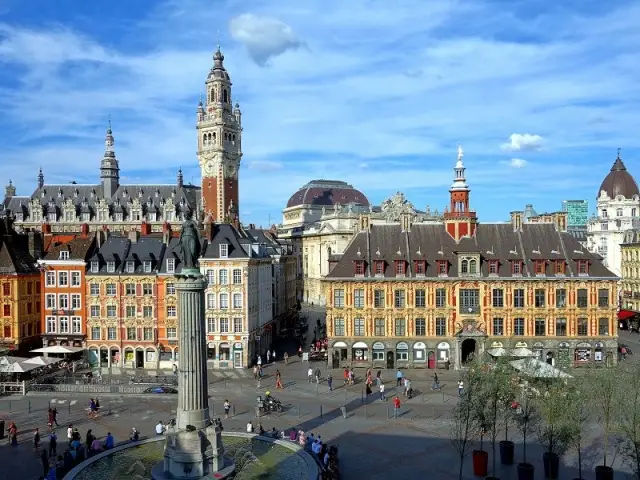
(577, 212)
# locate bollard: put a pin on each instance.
(343, 409)
(317, 387)
(298, 412)
(69, 408)
(233, 411)
(29, 406)
(109, 408)
(345, 392)
(240, 384)
(365, 410)
(387, 413)
(433, 411)
(442, 395)
(362, 396)
(225, 383)
(320, 411)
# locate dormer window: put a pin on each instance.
(468, 266)
(111, 267)
(359, 267)
(493, 267)
(516, 267)
(379, 266)
(171, 265)
(64, 255)
(224, 250)
(95, 267)
(443, 268)
(560, 267)
(583, 267)
(421, 267)
(400, 268)
(541, 267)
(147, 266)
(131, 267)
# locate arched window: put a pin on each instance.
(204, 139)
(464, 266)
(225, 96)
(473, 267)
(214, 138)
(233, 138)
(209, 140)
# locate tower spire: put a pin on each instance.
(460, 220)
(40, 178)
(109, 169)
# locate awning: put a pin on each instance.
(17, 367)
(360, 345)
(41, 361)
(532, 367)
(58, 349)
(497, 352)
(8, 360)
(627, 314)
(522, 352)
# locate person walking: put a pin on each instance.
(460, 387)
(54, 416)
(396, 407)
(259, 362)
(436, 383)
(318, 374)
(279, 380)
(44, 458)
(330, 382)
(36, 440)
(53, 444)
(227, 408)
(268, 355)
(310, 374)
(382, 397)
(286, 358)
(399, 376)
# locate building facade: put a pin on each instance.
(434, 295)
(63, 270)
(20, 300)
(617, 210)
(630, 267)
(577, 213)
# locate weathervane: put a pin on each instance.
(460, 152)
(619, 152)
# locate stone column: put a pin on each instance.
(193, 408)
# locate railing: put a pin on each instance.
(90, 389)
(102, 380)
(8, 388)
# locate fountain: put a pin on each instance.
(193, 447)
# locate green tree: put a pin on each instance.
(527, 419)
(604, 391)
(554, 432)
(578, 416)
(628, 416)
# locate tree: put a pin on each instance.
(527, 419)
(554, 431)
(603, 392)
(578, 416)
(628, 417)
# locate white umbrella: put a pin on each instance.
(41, 361)
(22, 367)
(522, 352)
(8, 360)
(497, 352)
(58, 349)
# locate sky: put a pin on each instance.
(379, 94)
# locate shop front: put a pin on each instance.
(359, 354)
(419, 356)
(538, 351)
(443, 352)
(339, 355)
(377, 355)
(227, 352)
(402, 354)
(582, 355)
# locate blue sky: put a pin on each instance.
(377, 93)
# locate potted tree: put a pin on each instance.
(509, 393)
(555, 430)
(462, 427)
(476, 378)
(604, 395)
(527, 418)
(578, 416)
(628, 418)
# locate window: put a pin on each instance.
(237, 325)
(95, 311)
(63, 301)
(131, 268)
(112, 333)
(359, 267)
(493, 267)
(541, 267)
(237, 276)
(540, 327)
(442, 267)
(464, 266)
(518, 327)
(378, 298)
(583, 327)
(131, 333)
(51, 325)
(223, 277)
(172, 311)
(421, 298)
(469, 300)
(211, 325)
(147, 289)
(582, 299)
(358, 297)
(75, 301)
(518, 298)
(561, 297)
(224, 300)
(583, 267)
(63, 279)
(338, 327)
(603, 297)
(237, 300)
(63, 324)
(171, 268)
(441, 297)
(561, 327)
(130, 311)
(400, 267)
(170, 289)
(111, 289)
(64, 255)
(75, 279)
(111, 267)
(618, 212)
(224, 325)
(498, 327)
(146, 266)
(400, 330)
(130, 289)
(497, 298)
(358, 327)
(172, 332)
(95, 333)
(398, 298)
(420, 267)
(211, 277)
(6, 310)
(560, 266)
(224, 250)
(111, 311)
(338, 298)
(516, 267)
(378, 327)
(95, 267)
(603, 326)
(50, 280)
(50, 301)
(379, 267)
(421, 327)
(441, 327)
(147, 311)
(147, 333)
(211, 300)
(539, 297)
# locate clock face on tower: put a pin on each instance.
(209, 168)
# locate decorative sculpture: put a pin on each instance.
(189, 242)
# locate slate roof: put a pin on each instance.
(79, 248)
(619, 182)
(327, 193)
(121, 249)
(497, 241)
(14, 255)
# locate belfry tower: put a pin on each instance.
(459, 219)
(219, 128)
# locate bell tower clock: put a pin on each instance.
(219, 128)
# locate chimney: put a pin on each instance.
(236, 222)
(516, 221)
(145, 228)
(209, 228)
(46, 228)
(166, 233)
(134, 235)
(34, 242)
(84, 229)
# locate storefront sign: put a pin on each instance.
(419, 346)
(237, 346)
(496, 345)
(443, 346)
(521, 345)
(211, 345)
(377, 346)
(402, 346)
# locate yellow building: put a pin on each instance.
(630, 268)
(19, 289)
(435, 295)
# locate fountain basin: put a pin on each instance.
(254, 457)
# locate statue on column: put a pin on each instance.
(189, 242)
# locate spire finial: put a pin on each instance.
(460, 152)
(218, 40)
(619, 152)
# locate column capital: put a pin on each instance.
(193, 281)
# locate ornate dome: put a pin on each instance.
(619, 182)
(326, 193)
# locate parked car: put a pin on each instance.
(161, 390)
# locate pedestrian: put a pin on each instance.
(436, 383)
(54, 414)
(268, 355)
(300, 351)
(259, 361)
(346, 376)
(279, 380)
(13, 434)
(330, 382)
(36, 439)
(286, 358)
(382, 397)
(352, 376)
(255, 372)
(160, 428)
(399, 376)
(368, 389)
(310, 374)
(378, 378)
(460, 387)
(44, 458)
(318, 374)
(396, 407)
(174, 367)
(53, 444)
(50, 419)
(227, 407)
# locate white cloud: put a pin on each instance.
(522, 142)
(265, 165)
(518, 163)
(263, 37)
